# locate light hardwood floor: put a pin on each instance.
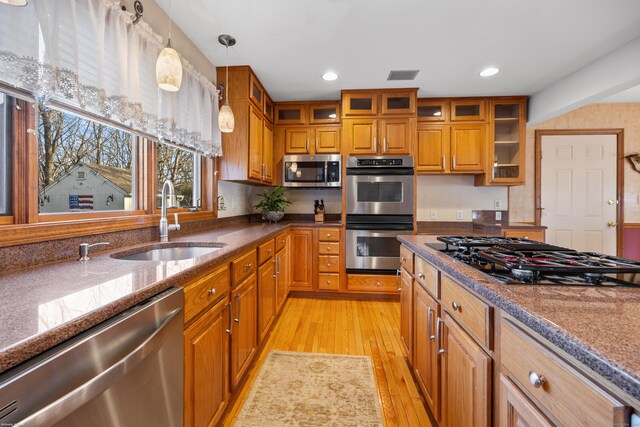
(369, 328)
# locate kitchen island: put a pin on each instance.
(591, 333)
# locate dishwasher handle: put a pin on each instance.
(73, 400)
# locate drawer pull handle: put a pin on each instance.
(404, 259)
(439, 346)
(420, 275)
(378, 284)
(268, 251)
(282, 241)
(536, 380)
(455, 306)
(430, 312)
(212, 291)
(248, 266)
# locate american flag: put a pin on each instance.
(80, 201)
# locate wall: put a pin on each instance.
(239, 198)
(449, 193)
(303, 200)
(594, 116)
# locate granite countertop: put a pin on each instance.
(43, 306)
(599, 327)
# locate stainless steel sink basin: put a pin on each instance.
(171, 252)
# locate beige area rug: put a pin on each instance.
(312, 389)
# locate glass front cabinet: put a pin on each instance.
(506, 147)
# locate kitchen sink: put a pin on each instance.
(170, 252)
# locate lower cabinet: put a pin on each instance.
(466, 378)
(425, 355)
(301, 268)
(206, 366)
(516, 410)
(282, 275)
(266, 297)
(405, 282)
(244, 337)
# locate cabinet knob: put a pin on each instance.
(536, 380)
(328, 234)
(269, 250)
(403, 259)
(420, 275)
(378, 284)
(248, 266)
(328, 248)
(455, 306)
(212, 291)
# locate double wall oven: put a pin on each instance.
(379, 207)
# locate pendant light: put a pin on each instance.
(169, 66)
(15, 2)
(226, 121)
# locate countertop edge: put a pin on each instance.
(573, 346)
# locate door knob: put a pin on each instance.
(611, 202)
(612, 224)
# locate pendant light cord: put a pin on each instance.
(226, 98)
(170, 22)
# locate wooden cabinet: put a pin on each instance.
(372, 283)
(395, 135)
(266, 297)
(248, 150)
(312, 140)
(327, 140)
(387, 102)
(328, 250)
(532, 234)
(425, 356)
(472, 313)
(398, 103)
(516, 410)
(290, 114)
(296, 140)
(324, 113)
(466, 378)
(433, 110)
(244, 337)
(301, 268)
(468, 110)
(406, 312)
(206, 366)
(282, 270)
(450, 148)
(359, 103)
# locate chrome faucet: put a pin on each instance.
(165, 228)
(84, 250)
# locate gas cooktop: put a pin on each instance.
(522, 261)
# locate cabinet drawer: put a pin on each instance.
(406, 258)
(428, 276)
(563, 392)
(243, 266)
(466, 308)
(281, 241)
(266, 251)
(204, 291)
(329, 282)
(328, 264)
(372, 283)
(328, 248)
(537, 235)
(329, 235)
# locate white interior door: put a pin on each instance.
(578, 191)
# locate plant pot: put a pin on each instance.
(272, 216)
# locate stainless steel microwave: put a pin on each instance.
(312, 171)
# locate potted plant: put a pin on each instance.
(272, 204)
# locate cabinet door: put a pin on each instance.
(296, 140)
(425, 356)
(432, 148)
(406, 312)
(466, 379)
(301, 268)
(266, 297)
(267, 152)
(398, 103)
(359, 104)
(467, 143)
(327, 140)
(468, 110)
(282, 266)
(267, 109)
(256, 129)
(361, 136)
(516, 410)
(505, 148)
(397, 135)
(206, 367)
(244, 337)
(291, 114)
(433, 110)
(324, 113)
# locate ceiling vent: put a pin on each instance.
(403, 74)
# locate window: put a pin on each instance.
(84, 165)
(182, 167)
(5, 155)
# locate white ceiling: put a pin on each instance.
(291, 43)
(629, 95)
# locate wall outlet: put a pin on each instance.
(434, 215)
(497, 204)
(459, 215)
(498, 216)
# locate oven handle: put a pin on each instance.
(380, 171)
(390, 227)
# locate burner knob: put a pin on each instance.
(536, 380)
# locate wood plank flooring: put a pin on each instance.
(348, 327)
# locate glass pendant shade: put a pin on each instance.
(15, 2)
(169, 69)
(226, 121)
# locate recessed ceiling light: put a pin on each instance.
(329, 76)
(491, 71)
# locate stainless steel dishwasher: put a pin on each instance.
(126, 371)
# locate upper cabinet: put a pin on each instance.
(248, 150)
(311, 127)
(323, 113)
(359, 103)
(465, 110)
(290, 114)
(398, 103)
(433, 110)
(382, 102)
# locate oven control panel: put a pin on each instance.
(380, 162)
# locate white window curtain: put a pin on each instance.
(88, 54)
